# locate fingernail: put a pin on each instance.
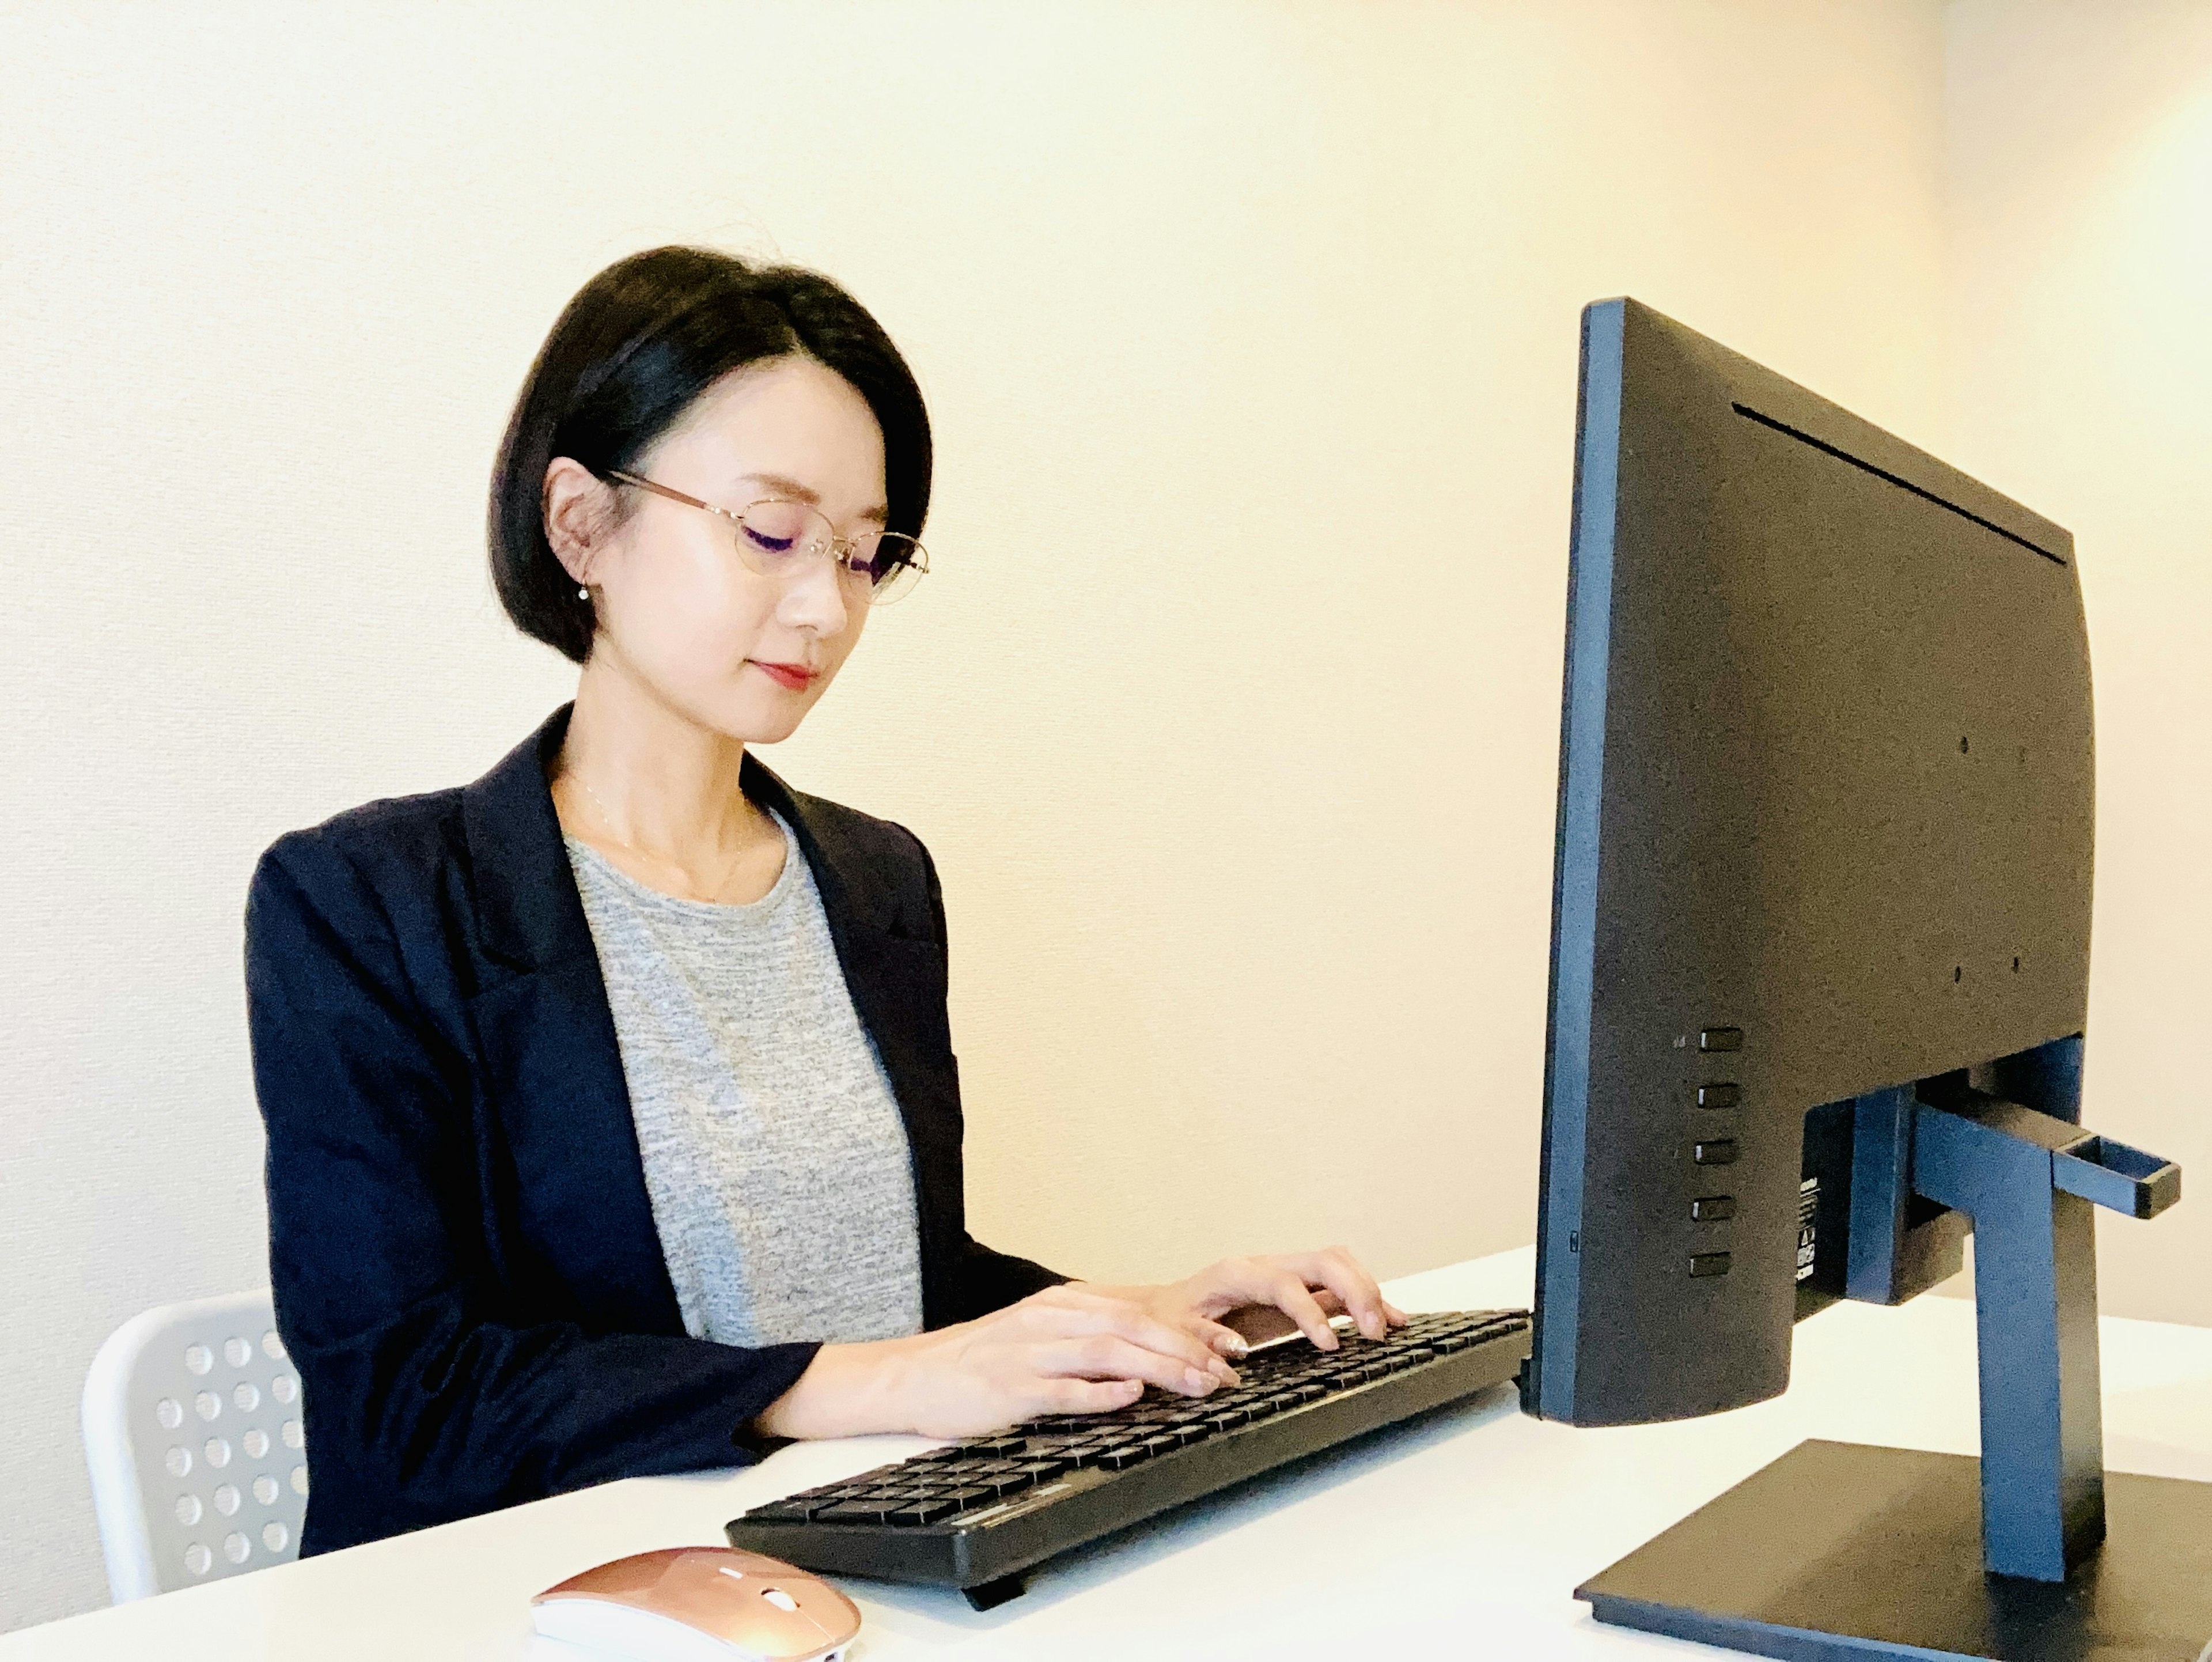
(1195, 1382)
(1233, 1344)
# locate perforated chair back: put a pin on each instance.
(193, 1438)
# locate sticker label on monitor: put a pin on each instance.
(1808, 1206)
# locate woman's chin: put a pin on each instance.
(743, 715)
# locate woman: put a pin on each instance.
(614, 1126)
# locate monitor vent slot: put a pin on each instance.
(1901, 483)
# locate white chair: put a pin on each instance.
(198, 1454)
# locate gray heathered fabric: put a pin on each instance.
(774, 1156)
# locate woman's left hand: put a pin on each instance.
(1288, 1281)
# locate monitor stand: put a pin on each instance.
(2033, 1553)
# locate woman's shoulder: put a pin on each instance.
(394, 845)
(882, 844)
(378, 855)
(881, 865)
(404, 829)
(866, 832)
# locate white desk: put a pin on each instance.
(1481, 1522)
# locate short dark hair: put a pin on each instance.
(630, 355)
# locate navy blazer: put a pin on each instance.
(465, 1265)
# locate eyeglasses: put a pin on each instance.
(776, 539)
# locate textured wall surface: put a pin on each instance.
(2080, 182)
(1231, 712)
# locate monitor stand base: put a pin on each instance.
(1839, 1552)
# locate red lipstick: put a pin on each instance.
(795, 677)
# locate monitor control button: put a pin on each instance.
(1721, 1152)
(1721, 1039)
(1713, 1209)
(1719, 1096)
(1709, 1263)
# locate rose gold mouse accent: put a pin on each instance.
(760, 1605)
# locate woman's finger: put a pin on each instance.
(1286, 1291)
(1346, 1276)
(1094, 1315)
(1065, 1396)
(1223, 1340)
(1177, 1311)
(1109, 1356)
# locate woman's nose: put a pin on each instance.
(815, 599)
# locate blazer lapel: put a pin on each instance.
(552, 1063)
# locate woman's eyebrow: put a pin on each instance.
(792, 490)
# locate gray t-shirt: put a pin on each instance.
(774, 1156)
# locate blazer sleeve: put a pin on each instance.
(428, 1394)
(985, 1280)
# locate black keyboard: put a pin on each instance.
(977, 1515)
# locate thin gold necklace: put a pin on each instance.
(607, 818)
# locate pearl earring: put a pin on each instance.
(583, 593)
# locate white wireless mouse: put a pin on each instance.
(699, 1605)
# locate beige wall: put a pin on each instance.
(2079, 144)
(1250, 329)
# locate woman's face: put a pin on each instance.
(681, 613)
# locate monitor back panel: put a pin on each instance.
(1825, 821)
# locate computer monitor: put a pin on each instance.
(1821, 938)
(1824, 829)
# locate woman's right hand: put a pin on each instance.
(1066, 1350)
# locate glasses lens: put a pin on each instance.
(776, 538)
(891, 563)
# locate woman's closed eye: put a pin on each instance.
(767, 542)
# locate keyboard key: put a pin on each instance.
(917, 1512)
(852, 1512)
(1120, 1459)
(782, 1511)
(973, 1495)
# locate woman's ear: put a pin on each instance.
(579, 517)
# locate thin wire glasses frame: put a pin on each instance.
(911, 559)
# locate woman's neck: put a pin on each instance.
(636, 773)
